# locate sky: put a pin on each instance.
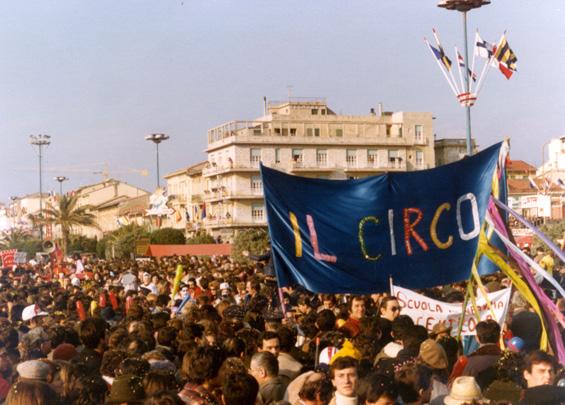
(99, 76)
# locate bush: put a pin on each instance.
(121, 242)
(80, 243)
(253, 240)
(553, 230)
(167, 236)
(201, 238)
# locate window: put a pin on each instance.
(257, 213)
(388, 129)
(277, 155)
(277, 131)
(372, 158)
(419, 133)
(400, 131)
(394, 159)
(323, 111)
(314, 111)
(419, 159)
(256, 184)
(312, 131)
(339, 132)
(351, 157)
(297, 155)
(292, 131)
(322, 157)
(254, 155)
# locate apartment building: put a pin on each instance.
(304, 137)
(185, 192)
(449, 150)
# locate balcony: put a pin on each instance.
(218, 170)
(246, 138)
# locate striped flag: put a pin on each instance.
(560, 183)
(506, 58)
(533, 184)
(461, 61)
(441, 56)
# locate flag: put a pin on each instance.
(441, 56)
(560, 183)
(506, 58)
(461, 61)
(203, 210)
(483, 49)
(533, 184)
(8, 257)
(546, 184)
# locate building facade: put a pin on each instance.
(449, 150)
(554, 167)
(306, 138)
(185, 192)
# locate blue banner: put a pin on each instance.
(350, 236)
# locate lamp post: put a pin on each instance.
(40, 141)
(61, 179)
(157, 139)
(463, 6)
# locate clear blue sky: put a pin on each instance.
(100, 75)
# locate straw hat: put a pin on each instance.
(464, 390)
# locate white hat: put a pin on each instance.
(327, 354)
(464, 390)
(31, 311)
(33, 369)
(75, 281)
(224, 286)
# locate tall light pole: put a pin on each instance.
(157, 139)
(61, 179)
(40, 141)
(463, 6)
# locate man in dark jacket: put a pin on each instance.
(488, 353)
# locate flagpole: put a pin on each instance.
(459, 67)
(467, 85)
(473, 61)
(436, 36)
(441, 68)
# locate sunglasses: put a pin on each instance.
(395, 309)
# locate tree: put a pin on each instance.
(200, 238)
(22, 241)
(121, 242)
(66, 214)
(167, 236)
(81, 243)
(252, 240)
(553, 230)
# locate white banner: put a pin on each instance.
(428, 312)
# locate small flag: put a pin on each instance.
(483, 49)
(461, 61)
(203, 210)
(560, 183)
(533, 184)
(546, 184)
(506, 58)
(441, 56)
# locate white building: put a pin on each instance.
(304, 137)
(554, 167)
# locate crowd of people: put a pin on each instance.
(116, 332)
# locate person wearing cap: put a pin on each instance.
(464, 390)
(147, 282)
(33, 317)
(433, 357)
(440, 330)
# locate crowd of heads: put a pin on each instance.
(123, 332)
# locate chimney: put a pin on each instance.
(372, 111)
(264, 105)
(380, 109)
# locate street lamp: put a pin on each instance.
(40, 141)
(157, 139)
(463, 6)
(61, 179)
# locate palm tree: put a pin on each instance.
(66, 214)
